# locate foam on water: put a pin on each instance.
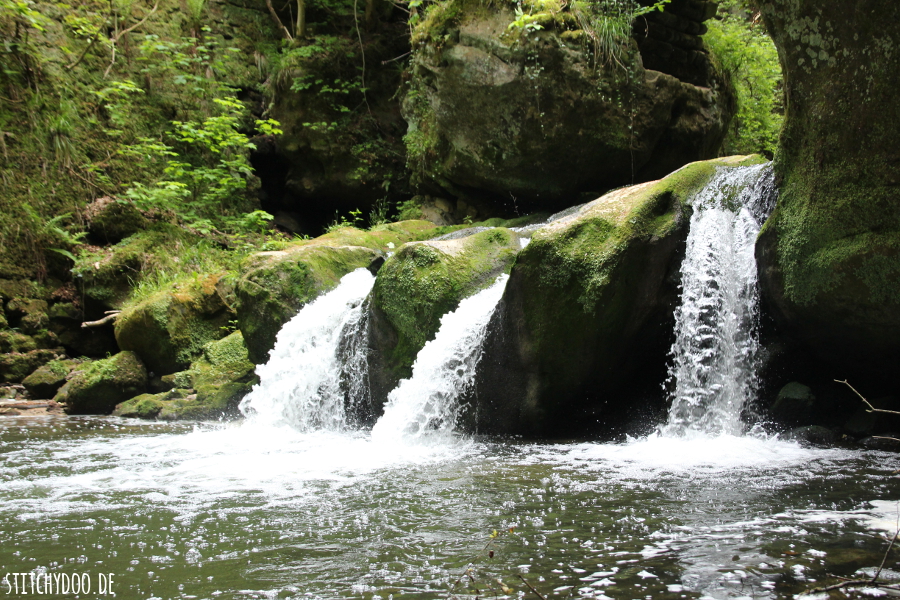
(698, 456)
(190, 471)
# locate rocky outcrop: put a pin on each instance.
(417, 286)
(583, 329)
(274, 286)
(829, 256)
(535, 119)
(169, 329)
(99, 386)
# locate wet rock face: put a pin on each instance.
(829, 257)
(581, 335)
(534, 121)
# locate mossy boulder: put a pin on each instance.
(534, 118)
(169, 329)
(211, 389)
(46, 380)
(276, 285)
(16, 366)
(100, 385)
(794, 404)
(584, 326)
(418, 285)
(13, 341)
(829, 255)
(148, 406)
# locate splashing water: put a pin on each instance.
(301, 385)
(716, 327)
(443, 371)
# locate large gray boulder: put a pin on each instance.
(534, 118)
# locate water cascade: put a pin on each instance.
(316, 358)
(714, 355)
(444, 370)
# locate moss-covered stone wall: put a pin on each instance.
(830, 254)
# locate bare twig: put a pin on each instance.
(83, 53)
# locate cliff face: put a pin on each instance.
(830, 254)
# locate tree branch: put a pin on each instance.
(110, 316)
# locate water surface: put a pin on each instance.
(252, 511)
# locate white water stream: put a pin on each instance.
(300, 386)
(716, 339)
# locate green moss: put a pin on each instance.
(584, 275)
(275, 285)
(425, 280)
(218, 381)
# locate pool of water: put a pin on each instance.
(242, 511)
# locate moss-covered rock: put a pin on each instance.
(148, 406)
(16, 366)
(275, 285)
(419, 284)
(46, 380)
(110, 220)
(588, 306)
(13, 341)
(108, 275)
(99, 386)
(829, 255)
(535, 118)
(169, 329)
(211, 389)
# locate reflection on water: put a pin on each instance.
(236, 511)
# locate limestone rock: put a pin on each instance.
(16, 366)
(168, 329)
(110, 220)
(829, 256)
(99, 386)
(794, 404)
(211, 389)
(46, 380)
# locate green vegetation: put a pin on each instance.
(739, 41)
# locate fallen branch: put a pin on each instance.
(110, 316)
(861, 397)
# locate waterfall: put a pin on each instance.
(444, 370)
(315, 360)
(713, 359)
